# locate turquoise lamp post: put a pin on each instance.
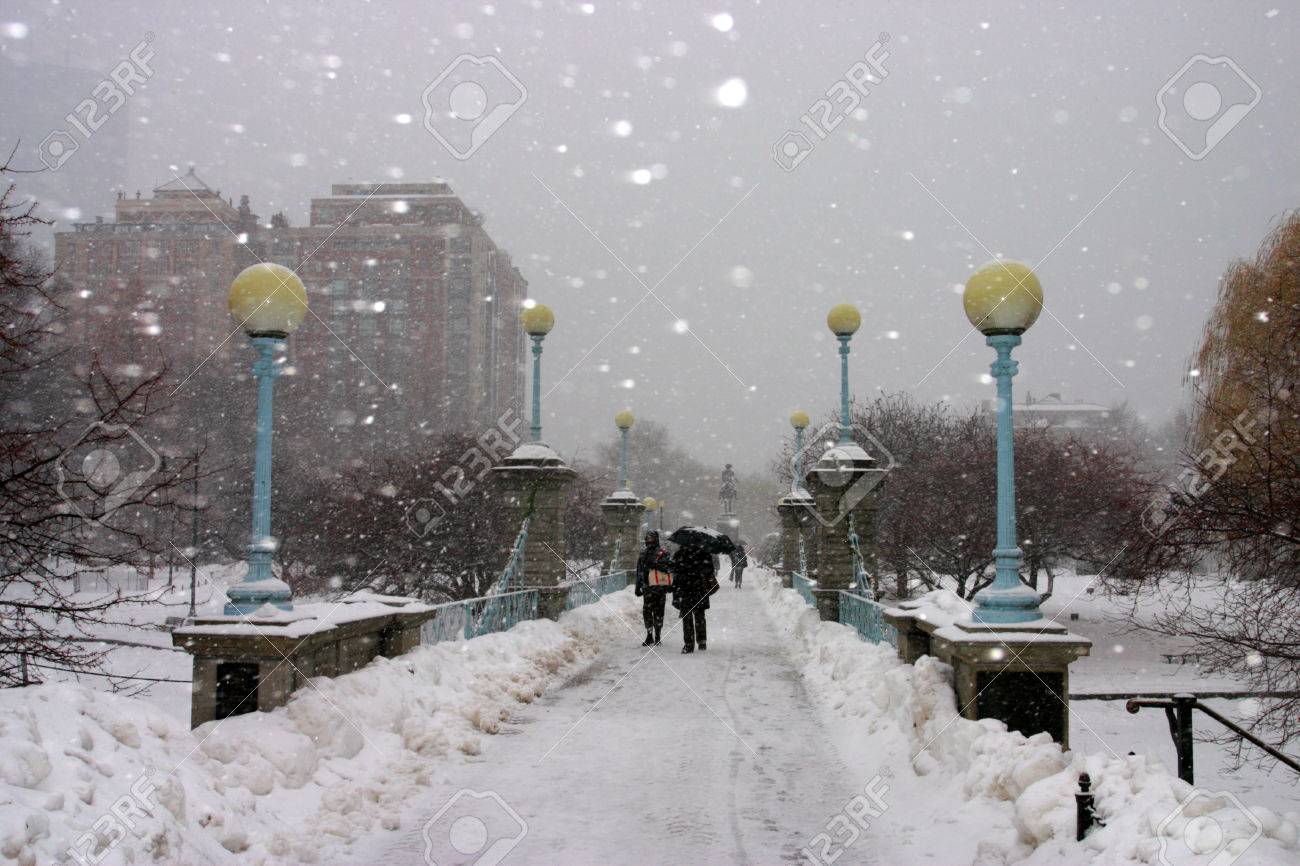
(623, 420)
(844, 321)
(538, 321)
(799, 421)
(269, 302)
(1002, 300)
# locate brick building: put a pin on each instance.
(413, 307)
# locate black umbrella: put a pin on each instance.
(701, 536)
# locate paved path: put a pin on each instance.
(648, 758)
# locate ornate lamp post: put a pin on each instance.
(799, 421)
(623, 420)
(1002, 300)
(844, 321)
(269, 302)
(538, 321)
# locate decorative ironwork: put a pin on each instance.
(512, 576)
(583, 591)
(867, 617)
(462, 620)
(860, 577)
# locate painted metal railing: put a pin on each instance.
(512, 576)
(462, 620)
(867, 617)
(587, 590)
(804, 587)
(861, 580)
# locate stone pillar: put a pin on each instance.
(797, 522)
(534, 482)
(623, 511)
(1016, 673)
(843, 483)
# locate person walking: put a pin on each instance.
(653, 583)
(694, 580)
(739, 560)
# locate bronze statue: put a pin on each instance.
(728, 492)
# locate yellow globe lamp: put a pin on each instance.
(844, 320)
(799, 419)
(649, 503)
(624, 419)
(538, 320)
(268, 300)
(1003, 298)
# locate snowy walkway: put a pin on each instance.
(715, 757)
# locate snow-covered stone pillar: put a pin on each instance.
(844, 485)
(797, 522)
(622, 511)
(534, 483)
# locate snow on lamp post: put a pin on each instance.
(1002, 300)
(269, 302)
(538, 321)
(623, 420)
(799, 421)
(844, 321)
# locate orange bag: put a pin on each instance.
(659, 578)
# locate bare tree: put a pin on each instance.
(82, 479)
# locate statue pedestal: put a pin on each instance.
(729, 525)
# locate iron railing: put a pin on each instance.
(587, 590)
(867, 617)
(462, 620)
(512, 576)
(804, 587)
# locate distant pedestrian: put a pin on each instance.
(739, 560)
(653, 584)
(694, 579)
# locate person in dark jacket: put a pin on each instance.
(694, 580)
(739, 560)
(652, 558)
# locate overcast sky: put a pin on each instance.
(645, 144)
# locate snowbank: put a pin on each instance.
(80, 768)
(1012, 795)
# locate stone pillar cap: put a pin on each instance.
(622, 499)
(533, 455)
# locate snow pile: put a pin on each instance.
(1011, 795)
(293, 785)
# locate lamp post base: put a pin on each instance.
(249, 596)
(1007, 606)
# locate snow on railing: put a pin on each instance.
(512, 576)
(462, 620)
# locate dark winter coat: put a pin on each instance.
(740, 559)
(694, 578)
(652, 558)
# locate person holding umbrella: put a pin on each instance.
(695, 579)
(653, 584)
